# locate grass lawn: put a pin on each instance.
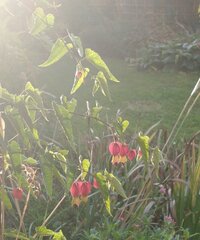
(144, 98)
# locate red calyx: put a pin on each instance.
(17, 193)
(85, 189)
(124, 149)
(75, 189)
(131, 154)
(114, 148)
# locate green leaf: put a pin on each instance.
(85, 166)
(16, 156)
(80, 75)
(44, 232)
(103, 186)
(96, 111)
(40, 21)
(13, 233)
(156, 159)
(103, 84)
(125, 125)
(59, 49)
(95, 87)
(30, 161)
(48, 177)
(77, 43)
(35, 94)
(59, 236)
(144, 145)
(4, 197)
(50, 19)
(64, 118)
(62, 160)
(98, 62)
(115, 183)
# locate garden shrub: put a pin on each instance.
(181, 55)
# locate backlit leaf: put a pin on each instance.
(85, 166)
(40, 21)
(144, 145)
(98, 62)
(77, 43)
(125, 125)
(103, 186)
(59, 49)
(80, 75)
(115, 183)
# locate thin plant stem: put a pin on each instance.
(23, 214)
(186, 115)
(176, 123)
(52, 212)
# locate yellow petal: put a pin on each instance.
(123, 159)
(115, 159)
(76, 201)
(84, 199)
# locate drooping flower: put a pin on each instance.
(114, 148)
(118, 152)
(75, 191)
(17, 193)
(79, 191)
(131, 154)
(85, 191)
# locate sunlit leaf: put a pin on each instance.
(59, 49)
(98, 62)
(115, 183)
(35, 93)
(44, 232)
(40, 21)
(80, 75)
(85, 166)
(125, 125)
(156, 159)
(50, 19)
(103, 84)
(103, 186)
(144, 145)
(77, 43)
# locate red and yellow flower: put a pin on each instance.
(79, 191)
(120, 152)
